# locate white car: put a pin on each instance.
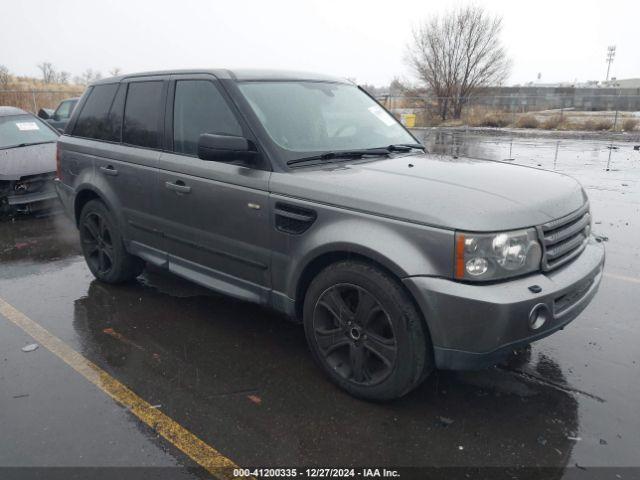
(27, 162)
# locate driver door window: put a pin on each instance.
(199, 108)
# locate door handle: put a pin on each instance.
(109, 170)
(179, 187)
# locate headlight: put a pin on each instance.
(494, 256)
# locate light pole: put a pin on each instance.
(611, 53)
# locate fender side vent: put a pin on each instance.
(293, 219)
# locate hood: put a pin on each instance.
(30, 160)
(454, 193)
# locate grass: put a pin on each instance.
(569, 120)
(630, 124)
(553, 123)
(31, 94)
(528, 121)
(597, 125)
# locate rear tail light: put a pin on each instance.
(58, 166)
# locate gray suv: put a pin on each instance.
(300, 192)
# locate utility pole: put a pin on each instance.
(611, 53)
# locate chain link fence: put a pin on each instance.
(34, 100)
(608, 112)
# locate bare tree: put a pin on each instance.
(5, 76)
(457, 54)
(115, 71)
(48, 72)
(63, 77)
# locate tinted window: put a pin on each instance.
(142, 115)
(199, 108)
(93, 121)
(115, 115)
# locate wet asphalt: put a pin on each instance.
(240, 377)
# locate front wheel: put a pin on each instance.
(102, 245)
(365, 332)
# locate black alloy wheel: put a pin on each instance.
(355, 334)
(103, 246)
(98, 243)
(365, 332)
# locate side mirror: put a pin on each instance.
(225, 148)
(45, 113)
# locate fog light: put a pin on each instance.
(538, 316)
(477, 266)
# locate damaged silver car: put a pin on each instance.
(27, 163)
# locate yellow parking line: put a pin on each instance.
(200, 452)
(622, 277)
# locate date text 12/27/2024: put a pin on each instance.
(315, 473)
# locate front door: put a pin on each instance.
(215, 215)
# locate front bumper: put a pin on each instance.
(31, 198)
(28, 202)
(474, 326)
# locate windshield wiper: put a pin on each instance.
(27, 144)
(342, 154)
(406, 147)
(377, 151)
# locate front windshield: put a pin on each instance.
(322, 117)
(16, 130)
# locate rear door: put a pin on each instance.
(142, 142)
(216, 222)
(126, 156)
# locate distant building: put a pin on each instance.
(579, 97)
(623, 95)
(622, 83)
(613, 83)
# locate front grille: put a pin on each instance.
(565, 238)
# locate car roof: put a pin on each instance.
(236, 74)
(7, 111)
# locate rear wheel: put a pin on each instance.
(102, 245)
(365, 332)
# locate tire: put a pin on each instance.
(102, 245)
(365, 332)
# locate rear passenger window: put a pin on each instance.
(200, 108)
(143, 115)
(93, 121)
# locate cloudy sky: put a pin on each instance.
(564, 40)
